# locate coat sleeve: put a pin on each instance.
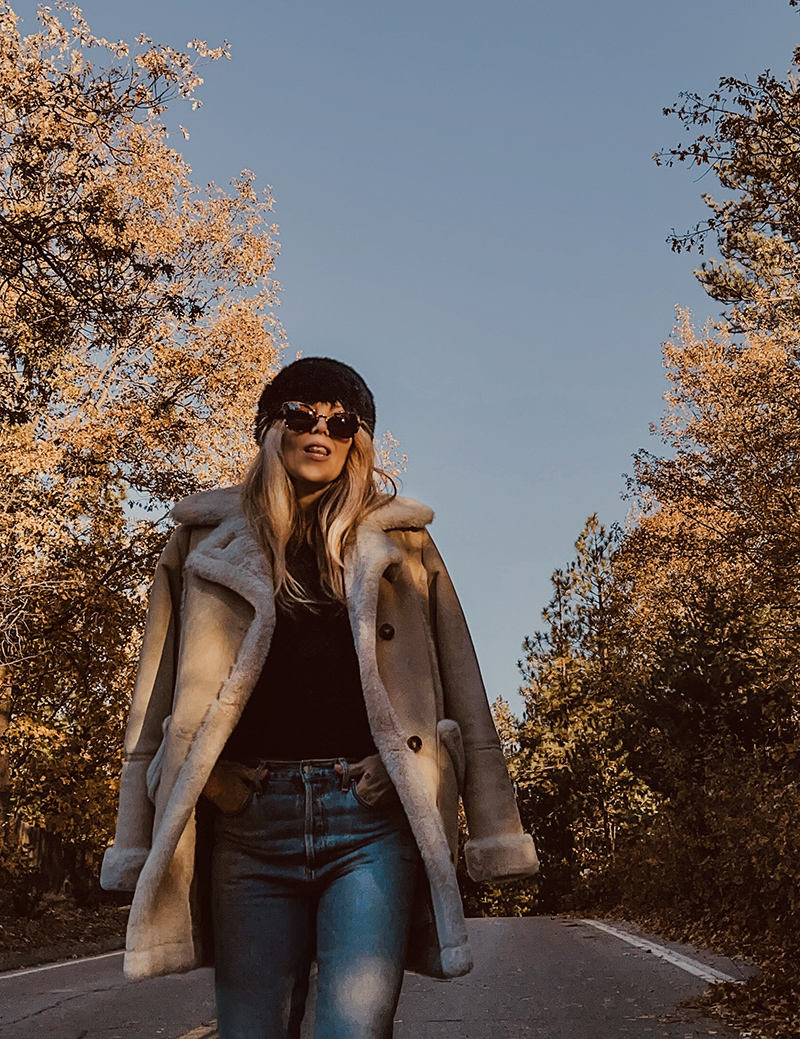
(497, 847)
(151, 705)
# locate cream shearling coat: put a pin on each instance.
(208, 632)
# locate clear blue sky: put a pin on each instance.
(470, 216)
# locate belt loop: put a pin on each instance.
(345, 769)
(261, 774)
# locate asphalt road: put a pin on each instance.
(534, 977)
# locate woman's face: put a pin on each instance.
(314, 460)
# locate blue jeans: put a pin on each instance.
(308, 871)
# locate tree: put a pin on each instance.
(749, 136)
(708, 570)
(733, 468)
(136, 328)
(578, 794)
(677, 703)
(709, 575)
(715, 548)
(717, 709)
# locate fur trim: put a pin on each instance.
(401, 513)
(229, 556)
(457, 962)
(496, 858)
(373, 552)
(163, 959)
(121, 868)
(209, 508)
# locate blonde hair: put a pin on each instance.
(270, 505)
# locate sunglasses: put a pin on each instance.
(301, 418)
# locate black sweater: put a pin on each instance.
(308, 701)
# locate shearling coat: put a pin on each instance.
(209, 625)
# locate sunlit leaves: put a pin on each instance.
(137, 326)
(748, 134)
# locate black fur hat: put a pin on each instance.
(312, 380)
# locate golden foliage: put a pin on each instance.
(693, 691)
(137, 326)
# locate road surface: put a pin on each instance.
(545, 977)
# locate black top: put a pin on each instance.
(308, 701)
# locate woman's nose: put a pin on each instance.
(321, 426)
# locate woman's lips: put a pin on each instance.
(317, 450)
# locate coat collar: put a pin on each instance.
(231, 556)
(211, 508)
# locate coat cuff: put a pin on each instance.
(498, 858)
(121, 868)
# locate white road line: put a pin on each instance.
(64, 963)
(700, 970)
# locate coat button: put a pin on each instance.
(386, 631)
(415, 743)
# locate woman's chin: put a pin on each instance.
(305, 488)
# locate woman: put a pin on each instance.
(307, 713)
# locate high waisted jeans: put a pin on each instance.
(309, 871)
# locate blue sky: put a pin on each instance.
(470, 215)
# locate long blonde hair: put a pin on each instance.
(270, 505)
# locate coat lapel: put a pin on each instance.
(373, 555)
(231, 557)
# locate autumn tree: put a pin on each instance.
(748, 135)
(712, 562)
(687, 683)
(136, 327)
(716, 545)
(709, 569)
(730, 476)
(709, 575)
